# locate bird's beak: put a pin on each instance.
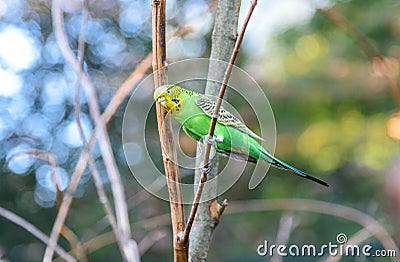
(159, 95)
(159, 91)
(161, 100)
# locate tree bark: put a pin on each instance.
(223, 41)
(165, 131)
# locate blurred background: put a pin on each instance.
(335, 114)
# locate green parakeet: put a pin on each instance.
(232, 137)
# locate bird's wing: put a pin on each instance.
(224, 116)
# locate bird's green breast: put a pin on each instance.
(196, 124)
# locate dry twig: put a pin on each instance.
(383, 65)
(149, 240)
(370, 224)
(321, 207)
(108, 238)
(223, 41)
(95, 173)
(10, 216)
(165, 131)
(52, 159)
(286, 227)
(112, 107)
(357, 238)
(127, 86)
(69, 235)
(228, 72)
(127, 245)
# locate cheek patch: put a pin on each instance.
(175, 100)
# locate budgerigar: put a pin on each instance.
(232, 137)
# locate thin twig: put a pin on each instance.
(112, 107)
(153, 222)
(127, 245)
(95, 173)
(223, 41)
(373, 226)
(69, 235)
(149, 240)
(321, 207)
(49, 157)
(122, 92)
(357, 238)
(286, 226)
(108, 238)
(12, 217)
(80, 56)
(127, 86)
(228, 72)
(95, 243)
(73, 240)
(381, 63)
(118, 99)
(136, 199)
(144, 194)
(369, 224)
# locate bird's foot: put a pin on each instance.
(205, 170)
(211, 140)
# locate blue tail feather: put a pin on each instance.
(282, 165)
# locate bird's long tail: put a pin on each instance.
(282, 165)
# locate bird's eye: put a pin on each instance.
(168, 92)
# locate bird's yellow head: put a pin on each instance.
(169, 96)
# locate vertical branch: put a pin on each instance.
(165, 130)
(213, 123)
(222, 43)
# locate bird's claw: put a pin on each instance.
(206, 170)
(211, 140)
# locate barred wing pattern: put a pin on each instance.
(224, 116)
